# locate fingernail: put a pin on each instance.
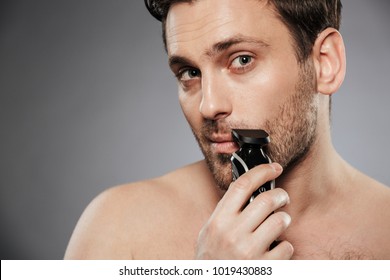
(287, 219)
(277, 167)
(285, 199)
(288, 200)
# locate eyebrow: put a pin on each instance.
(178, 60)
(235, 40)
(218, 48)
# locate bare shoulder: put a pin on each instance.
(377, 195)
(133, 220)
(375, 216)
(100, 229)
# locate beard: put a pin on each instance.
(292, 131)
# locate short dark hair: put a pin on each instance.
(305, 19)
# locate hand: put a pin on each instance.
(236, 233)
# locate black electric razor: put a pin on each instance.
(250, 154)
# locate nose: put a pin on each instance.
(215, 103)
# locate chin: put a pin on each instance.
(221, 168)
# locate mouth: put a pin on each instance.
(223, 144)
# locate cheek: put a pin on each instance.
(190, 107)
(259, 97)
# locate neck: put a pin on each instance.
(319, 179)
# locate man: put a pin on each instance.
(259, 64)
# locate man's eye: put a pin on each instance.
(188, 74)
(241, 61)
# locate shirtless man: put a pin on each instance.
(248, 64)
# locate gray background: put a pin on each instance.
(87, 102)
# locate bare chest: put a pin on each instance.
(175, 244)
(173, 239)
(332, 250)
(351, 244)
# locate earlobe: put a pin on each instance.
(329, 61)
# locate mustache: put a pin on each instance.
(210, 127)
(222, 127)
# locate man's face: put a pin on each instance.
(236, 68)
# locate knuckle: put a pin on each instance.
(266, 170)
(238, 249)
(230, 241)
(244, 252)
(215, 227)
(241, 184)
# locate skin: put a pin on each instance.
(322, 207)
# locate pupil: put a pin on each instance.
(193, 73)
(244, 60)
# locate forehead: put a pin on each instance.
(202, 23)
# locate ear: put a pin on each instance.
(329, 61)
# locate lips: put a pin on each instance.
(223, 144)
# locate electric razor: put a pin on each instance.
(250, 154)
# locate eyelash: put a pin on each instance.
(196, 72)
(242, 68)
(183, 71)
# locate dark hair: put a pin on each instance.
(305, 19)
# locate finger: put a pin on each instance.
(262, 206)
(271, 229)
(240, 190)
(283, 251)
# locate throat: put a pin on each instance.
(314, 186)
